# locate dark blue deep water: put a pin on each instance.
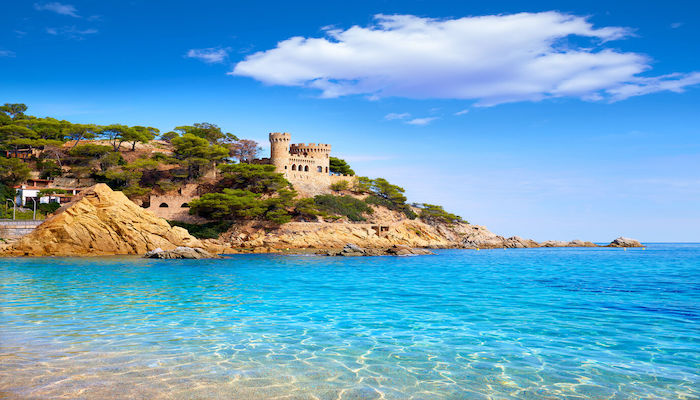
(490, 324)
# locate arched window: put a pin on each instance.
(185, 205)
(319, 169)
(163, 205)
(294, 167)
(306, 168)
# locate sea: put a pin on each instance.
(546, 323)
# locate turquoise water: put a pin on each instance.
(489, 324)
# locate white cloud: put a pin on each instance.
(210, 55)
(490, 59)
(7, 53)
(58, 8)
(676, 25)
(421, 121)
(392, 116)
(71, 32)
(671, 82)
(462, 112)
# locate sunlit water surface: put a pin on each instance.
(498, 324)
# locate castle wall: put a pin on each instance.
(174, 206)
(305, 165)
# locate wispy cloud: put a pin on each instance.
(421, 121)
(490, 59)
(462, 112)
(676, 25)
(212, 55)
(7, 53)
(58, 8)
(393, 116)
(671, 82)
(71, 32)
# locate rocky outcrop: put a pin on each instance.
(399, 250)
(100, 221)
(625, 242)
(573, 243)
(351, 250)
(322, 236)
(179, 253)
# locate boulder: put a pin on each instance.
(100, 221)
(625, 242)
(401, 250)
(580, 243)
(561, 243)
(351, 250)
(179, 253)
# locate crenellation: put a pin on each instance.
(305, 165)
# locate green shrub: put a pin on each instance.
(90, 150)
(209, 230)
(48, 168)
(435, 213)
(307, 209)
(340, 166)
(48, 208)
(386, 203)
(343, 205)
(252, 177)
(340, 186)
(362, 185)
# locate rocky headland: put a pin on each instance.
(100, 221)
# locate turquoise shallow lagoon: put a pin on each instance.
(490, 324)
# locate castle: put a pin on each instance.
(306, 166)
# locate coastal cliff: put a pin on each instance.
(100, 221)
(406, 232)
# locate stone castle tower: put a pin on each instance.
(305, 165)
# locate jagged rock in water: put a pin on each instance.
(561, 243)
(179, 253)
(351, 250)
(401, 250)
(625, 242)
(100, 221)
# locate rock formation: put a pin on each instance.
(573, 243)
(179, 253)
(351, 250)
(625, 242)
(100, 221)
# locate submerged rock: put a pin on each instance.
(625, 242)
(179, 253)
(100, 221)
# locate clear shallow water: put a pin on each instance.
(500, 324)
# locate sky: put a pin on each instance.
(542, 119)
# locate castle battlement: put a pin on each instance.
(305, 165)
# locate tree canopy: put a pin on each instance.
(339, 166)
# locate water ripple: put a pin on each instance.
(496, 324)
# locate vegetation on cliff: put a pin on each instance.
(130, 159)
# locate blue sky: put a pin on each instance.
(549, 120)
